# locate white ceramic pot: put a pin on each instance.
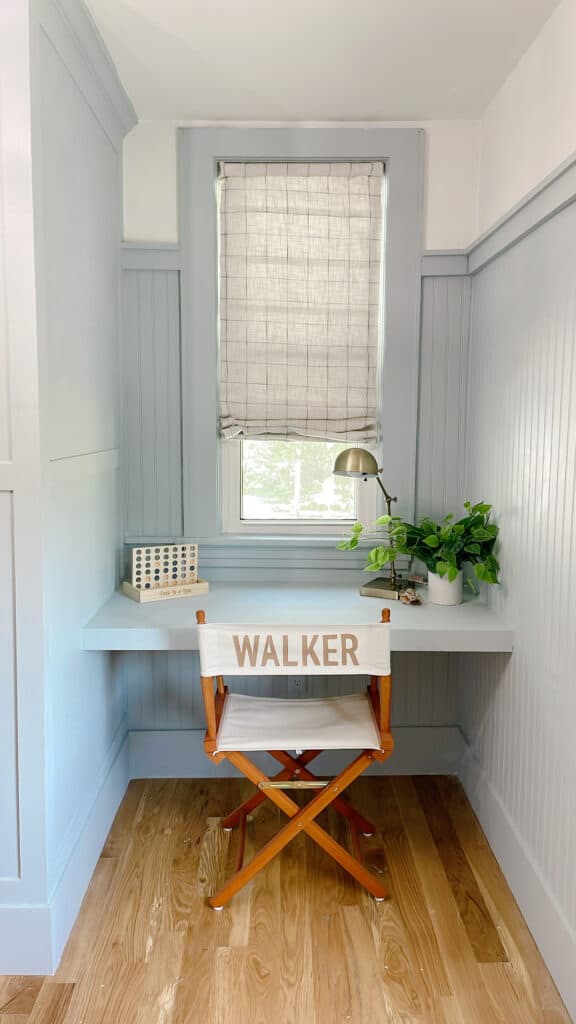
(441, 590)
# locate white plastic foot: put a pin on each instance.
(379, 899)
(367, 835)
(218, 908)
(227, 829)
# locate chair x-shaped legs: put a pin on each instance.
(301, 819)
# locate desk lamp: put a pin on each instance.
(357, 462)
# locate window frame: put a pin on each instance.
(367, 505)
(199, 152)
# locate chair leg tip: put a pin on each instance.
(367, 835)
(228, 828)
(380, 899)
(218, 908)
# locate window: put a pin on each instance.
(201, 152)
(288, 485)
(300, 290)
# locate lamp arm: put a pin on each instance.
(389, 499)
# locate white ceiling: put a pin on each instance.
(316, 59)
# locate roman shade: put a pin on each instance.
(300, 287)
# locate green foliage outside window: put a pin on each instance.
(293, 480)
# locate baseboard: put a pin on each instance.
(73, 883)
(552, 932)
(32, 938)
(25, 940)
(78, 822)
(165, 754)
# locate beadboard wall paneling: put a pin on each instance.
(159, 692)
(442, 394)
(152, 398)
(152, 403)
(164, 689)
(518, 713)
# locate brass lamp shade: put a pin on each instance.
(355, 462)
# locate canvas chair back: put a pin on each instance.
(281, 650)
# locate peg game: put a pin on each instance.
(162, 571)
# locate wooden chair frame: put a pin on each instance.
(296, 774)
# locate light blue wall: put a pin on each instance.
(85, 701)
(24, 916)
(163, 690)
(78, 203)
(62, 723)
(518, 713)
(152, 388)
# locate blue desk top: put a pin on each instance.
(124, 625)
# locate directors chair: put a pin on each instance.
(238, 724)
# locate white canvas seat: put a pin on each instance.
(271, 723)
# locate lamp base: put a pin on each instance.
(384, 587)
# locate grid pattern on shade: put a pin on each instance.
(300, 266)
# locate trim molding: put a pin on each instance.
(77, 467)
(549, 197)
(82, 819)
(445, 263)
(545, 918)
(25, 940)
(179, 753)
(32, 938)
(553, 194)
(402, 149)
(150, 256)
(73, 883)
(253, 559)
(7, 476)
(83, 32)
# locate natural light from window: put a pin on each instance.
(292, 481)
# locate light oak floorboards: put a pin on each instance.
(302, 943)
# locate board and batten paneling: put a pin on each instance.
(442, 394)
(518, 713)
(79, 195)
(22, 776)
(5, 419)
(152, 403)
(10, 845)
(85, 704)
(78, 229)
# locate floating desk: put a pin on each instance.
(124, 625)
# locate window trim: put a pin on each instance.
(200, 150)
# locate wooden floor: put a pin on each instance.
(302, 943)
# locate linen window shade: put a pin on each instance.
(300, 284)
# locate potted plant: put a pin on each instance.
(444, 547)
